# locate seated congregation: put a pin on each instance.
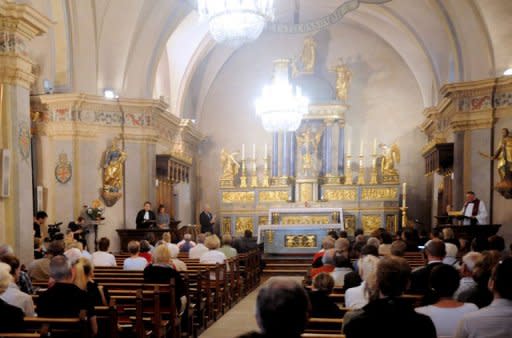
(157, 289)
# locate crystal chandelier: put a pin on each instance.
(281, 105)
(235, 22)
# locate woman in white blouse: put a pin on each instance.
(446, 312)
(356, 298)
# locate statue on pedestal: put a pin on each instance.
(504, 165)
(113, 173)
(390, 158)
(306, 62)
(308, 145)
(230, 165)
(343, 77)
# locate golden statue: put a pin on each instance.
(504, 165)
(230, 166)
(504, 155)
(308, 145)
(306, 62)
(343, 77)
(390, 157)
(113, 168)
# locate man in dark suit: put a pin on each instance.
(435, 251)
(207, 220)
(146, 218)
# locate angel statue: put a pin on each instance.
(390, 158)
(230, 166)
(503, 155)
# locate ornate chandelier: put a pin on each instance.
(236, 22)
(281, 105)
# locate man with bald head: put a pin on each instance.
(282, 309)
(207, 220)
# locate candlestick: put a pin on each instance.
(254, 151)
(348, 171)
(243, 177)
(243, 151)
(360, 177)
(404, 195)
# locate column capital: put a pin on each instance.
(19, 23)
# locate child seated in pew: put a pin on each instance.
(321, 305)
(134, 262)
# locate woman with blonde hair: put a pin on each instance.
(84, 279)
(359, 296)
(161, 271)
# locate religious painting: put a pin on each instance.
(63, 169)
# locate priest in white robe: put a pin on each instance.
(475, 210)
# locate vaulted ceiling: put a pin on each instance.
(147, 48)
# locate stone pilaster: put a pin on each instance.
(19, 23)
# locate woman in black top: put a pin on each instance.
(97, 294)
(162, 271)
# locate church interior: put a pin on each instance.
(337, 115)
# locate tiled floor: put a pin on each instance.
(240, 319)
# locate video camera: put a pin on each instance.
(54, 231)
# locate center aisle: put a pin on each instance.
(238, 320)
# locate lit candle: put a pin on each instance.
(404, 194)
(243, 151)
(254, 151)
(266, 150)
(361, 150)
(375, 146)
(349, 146)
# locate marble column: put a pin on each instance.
(275, 154)
(293, 154)
(20, 23)
(325, 146)
(341, 151)
(285, 154)
(458, 170)
(328, 141)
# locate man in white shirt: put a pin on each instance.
(199, 249)
(493, 321)
(466, 271)
(134, 262)
(474, 209)
(102, 257)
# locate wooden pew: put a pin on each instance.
(20, 335)
(59, 327)
(324, 325)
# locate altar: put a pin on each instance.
(298, 230)
(308, 182)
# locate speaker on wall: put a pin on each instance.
(5, 167)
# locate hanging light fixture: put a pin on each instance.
(235, 22)
(281, 105)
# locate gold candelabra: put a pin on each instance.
(360, 177)
(254, 177)
(266, 172)
(373, 177)
(348, 171)
(404, 216)
(243, 177)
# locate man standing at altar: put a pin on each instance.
(474, 210)
(207, 220)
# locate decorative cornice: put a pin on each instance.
(334, 111)
(23, 20)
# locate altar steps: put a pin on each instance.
(286, 265)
